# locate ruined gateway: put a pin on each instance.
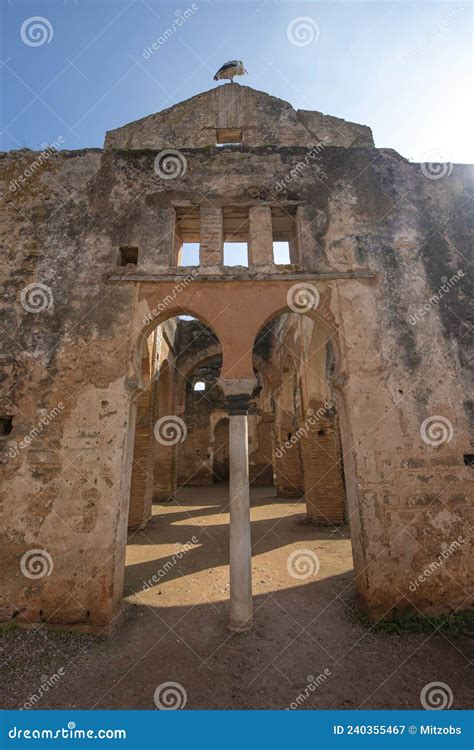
(350, 360)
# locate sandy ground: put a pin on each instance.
(175, 628)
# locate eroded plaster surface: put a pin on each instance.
(387, 250)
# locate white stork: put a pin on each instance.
(231, 69)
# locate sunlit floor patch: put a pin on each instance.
(181, 557)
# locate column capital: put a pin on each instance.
(238, 392)
(238, 404)
(237, 386)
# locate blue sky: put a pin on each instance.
(404, 68)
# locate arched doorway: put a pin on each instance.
(249, 380)
(307, 452)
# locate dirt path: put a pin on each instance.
(174, 629)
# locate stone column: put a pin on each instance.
(240, 557)
(211, 237)
(260, 236)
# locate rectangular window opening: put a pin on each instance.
(284, 235)
(128, 256)
(236, 254)
(189, 254)
(469, 459)
(228, 136)
(187, 236)
(281, 253)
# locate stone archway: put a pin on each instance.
(221, 309)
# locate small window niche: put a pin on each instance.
(187, 236)
(199, 385)
(469, 460)
(229, 137)
(128, 256)
(284, 235)
(6, 426)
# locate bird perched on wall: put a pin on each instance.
(231, 69)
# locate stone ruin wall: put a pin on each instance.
(359, 209)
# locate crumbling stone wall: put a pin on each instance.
(376, 236)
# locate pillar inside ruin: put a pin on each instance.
(260, 236)
(323, 477)
(141, 487)
(240, 551)
(211, 236)
(239, 509)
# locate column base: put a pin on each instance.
(241, 627)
